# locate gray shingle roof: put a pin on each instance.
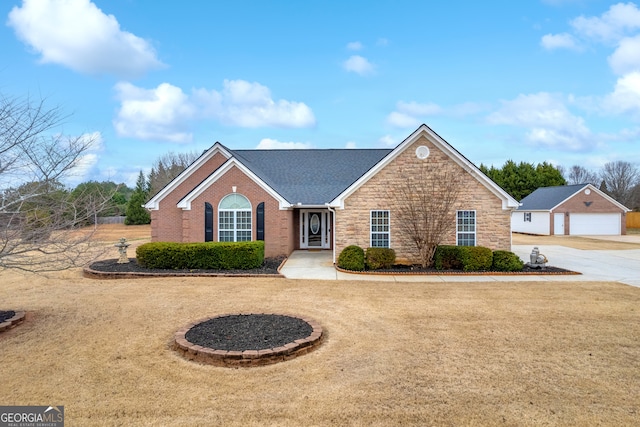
(310, 177)
(546, 198)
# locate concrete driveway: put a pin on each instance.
(595, 265)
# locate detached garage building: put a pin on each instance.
(580, 209)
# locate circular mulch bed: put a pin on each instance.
(245, 340)
(10, 318)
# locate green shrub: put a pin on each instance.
(466, 258)
(476, 258)
(377, 258)
(447, 257)
(506, 261)
(209, 255)
(351, 258)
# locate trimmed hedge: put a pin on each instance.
(209, 255)
(506, 261)
(466, 258)
(351, 258)
(447, 257)
(377, 258)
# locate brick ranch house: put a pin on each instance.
(322, 199)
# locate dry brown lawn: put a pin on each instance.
(554, 353)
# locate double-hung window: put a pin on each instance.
(466, 228)
(527, 217)
(380, 229)
(234, 219)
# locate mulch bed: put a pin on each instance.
(248, 332)
(416, 269)
(269, 267)
(6, 315)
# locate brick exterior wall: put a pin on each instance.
(166, 222)
(596, 204)
(170, 223)
(493, 224)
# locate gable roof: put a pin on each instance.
(548, 198)
(508, 202)
(315, 177)
(154, 202)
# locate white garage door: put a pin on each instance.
(594, 224)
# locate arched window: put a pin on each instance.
(234, 219)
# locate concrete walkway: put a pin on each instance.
(618, 266)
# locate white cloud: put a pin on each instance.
(620, 19)
(626, 57)
(402, 120)
(359, 65)
(547, 120)
(417, 109)
(78, 35)
(412, 114)
(559, 41)
(388, 141)
(166, 112)
(87, 162)
(351, 145)
(162, 113)
(354, 46)
(250, 105)
(626, 95)
(274, 144)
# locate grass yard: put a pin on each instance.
(514, 354)
(403, 354)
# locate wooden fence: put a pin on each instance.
(111, 219)
(633, 219)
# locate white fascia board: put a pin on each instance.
(508, 202)
(597, 190)
(154, 202)
(185, 203)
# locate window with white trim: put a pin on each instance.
(234, 219)
(466, 228)
(527, 217)
(380, 229)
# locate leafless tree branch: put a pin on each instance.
(424, 207)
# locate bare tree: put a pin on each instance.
(619, 179)
(40, 220)
(424, 207)
(581, 175)
(167, 167)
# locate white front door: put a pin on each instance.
(558, 223)
(314, 229)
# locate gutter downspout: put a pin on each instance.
(333, 231)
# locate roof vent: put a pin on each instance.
(422, 152)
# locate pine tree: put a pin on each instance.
(136, 214)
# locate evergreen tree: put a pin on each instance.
(136, 213)
(521, 179)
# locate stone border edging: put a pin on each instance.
(247, 358)
(460, 273)
(90, 273)
(12, 322)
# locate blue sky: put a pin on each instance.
(534, 81)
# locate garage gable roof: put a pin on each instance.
(548, 198)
